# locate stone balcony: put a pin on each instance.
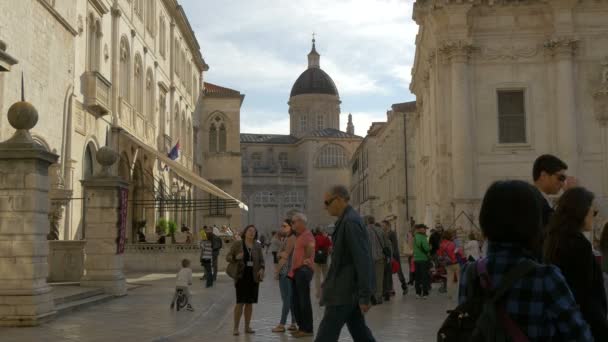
(135, 123)
(96, 93)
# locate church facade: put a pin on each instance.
(499, 83)
(286, 173)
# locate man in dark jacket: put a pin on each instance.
(346, 291)
(216, 246)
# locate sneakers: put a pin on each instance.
(279, 329)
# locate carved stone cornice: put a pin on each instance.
(456, 50)
(561, 47)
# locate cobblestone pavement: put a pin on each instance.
(144, 315)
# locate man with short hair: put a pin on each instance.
(216, 246)
(301, 273)
(347, 290)
(549, 175)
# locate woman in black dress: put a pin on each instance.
(248, 253)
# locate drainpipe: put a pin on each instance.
(407, 196)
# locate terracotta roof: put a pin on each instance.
(405, 107)
(268, 138)
(331, 133)
(215, 90)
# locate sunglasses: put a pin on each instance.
(561, 178)
(329, 201)
(595, 212)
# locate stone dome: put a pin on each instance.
(314, 81)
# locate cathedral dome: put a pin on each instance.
(314, 81)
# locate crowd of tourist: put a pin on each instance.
(532, 253)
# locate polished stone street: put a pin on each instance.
(144, 315)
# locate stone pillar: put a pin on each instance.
(25, 297)
(457, 54)
(562, 51)
(103, 263)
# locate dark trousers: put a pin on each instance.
(334, 319)
(387, 284)
(207, 266)
(400, 274)
(423, 277)
(302, 307)
(214, 266)
(274, 258)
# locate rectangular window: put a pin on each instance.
(256, 159)
(283, 160)
(303, 123)
(320, 122)
(511, 116)
(217, 206)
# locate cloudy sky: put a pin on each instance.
(259, 47)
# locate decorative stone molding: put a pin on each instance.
(456, 50)
(561, 47)
(600, 97)
(510, 52)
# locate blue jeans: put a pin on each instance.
(285, 287)
(334, 319)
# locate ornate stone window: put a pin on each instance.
(150, 16)
(125, 68)
(320, 122)
(175, 132)
(87, 164)
(162, 106)
(256, 159)
(138, 8)
(331, 156)
(183, 135)
(283, 160)
(138, 80)
(94, 43)
(162, 37)
(189, 137)
(511, 116)
(150, 95)
(217, 135)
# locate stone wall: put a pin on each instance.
(157, 258)
(66, 261)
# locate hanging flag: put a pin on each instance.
(174, 153)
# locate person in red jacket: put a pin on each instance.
(447, 256)
(322, 249)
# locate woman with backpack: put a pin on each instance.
(530, 301)
(566, 247)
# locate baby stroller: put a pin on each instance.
(438, 274)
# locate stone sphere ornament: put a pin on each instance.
(106, 157)
(22, 116)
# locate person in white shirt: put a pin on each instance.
(472, 250)
(183, 282)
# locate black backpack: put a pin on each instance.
(482, 316)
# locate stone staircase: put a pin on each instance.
(70, 297)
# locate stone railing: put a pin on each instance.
(96, 92)
(149, 134)
(126, 113)
(163, 258)
(139, 124)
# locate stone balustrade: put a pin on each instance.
(162, 258)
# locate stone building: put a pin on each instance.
(383, 169)
(499, 83)
(127, 73)
(282, 173)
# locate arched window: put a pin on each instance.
(212, 138)
(125, 68)
(162, 37)
(138, 85)
(303, 123)
(183, 132)
(162, 109)
(94, 43)
(150, 102)
(331, 156)
(222, 138)
(175, 133)
(87, 164)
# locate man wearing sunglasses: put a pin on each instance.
(346, 291)
(549, 174)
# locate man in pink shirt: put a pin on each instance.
(301, 274)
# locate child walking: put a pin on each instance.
(184, 280)
(206, 259)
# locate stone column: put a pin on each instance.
(562, 51)
(457, 54)
(103, 263)
(25, 297)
